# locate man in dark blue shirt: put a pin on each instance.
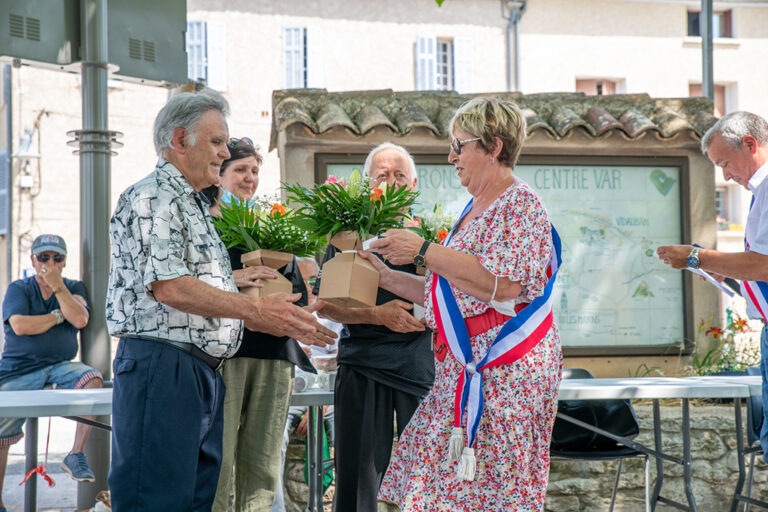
(42, 315)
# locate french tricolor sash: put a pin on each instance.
(517, 336)
(757, 291)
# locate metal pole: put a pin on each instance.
(8, 100)
(94, 220)
(706, 27)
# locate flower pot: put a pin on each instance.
(272, 259)
(347, 279)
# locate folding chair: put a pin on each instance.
(565, 432)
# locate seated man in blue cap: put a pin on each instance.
(42, 315)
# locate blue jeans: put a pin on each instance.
(167, 424)
(764, 373)
(65, 375)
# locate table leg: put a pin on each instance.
(30, 447)
(659, 460)
(687, 454)
(739, 450)
(320, 467)
(312, 460)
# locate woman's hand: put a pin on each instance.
(398, 246)
(384, 271)
(249, 276)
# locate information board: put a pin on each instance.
(612, 292)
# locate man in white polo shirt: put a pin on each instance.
(738, 144)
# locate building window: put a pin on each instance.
(721, 24)
(694, 90)
(596, 86)
(444, 73)
(294, 58)
(444, 64)
(206, 53)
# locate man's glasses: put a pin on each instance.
(457, 144)
(43, 258)
(235, 142)
(311, 281)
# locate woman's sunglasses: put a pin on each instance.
(235, 142)
(43, 258)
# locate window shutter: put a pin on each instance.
(314, 55)
(5, 169)
(196, 50)
(462, 64)
(426, 63)
(293, 58)
(216, 51)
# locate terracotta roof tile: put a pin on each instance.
(559, 114)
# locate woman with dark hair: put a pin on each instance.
(259, 377)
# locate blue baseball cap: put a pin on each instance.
(49, 243)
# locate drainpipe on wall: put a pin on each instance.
(512, 11)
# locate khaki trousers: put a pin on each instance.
(255, 412)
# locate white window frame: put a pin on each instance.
(206, 53)
(295, 58)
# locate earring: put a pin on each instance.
(493, 159)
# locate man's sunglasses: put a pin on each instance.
(235, 142)
(43, 258)
(457, 144)
(311, 281)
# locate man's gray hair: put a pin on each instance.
(307, 260)
(185, 111)
(733, 127)
(385, 146)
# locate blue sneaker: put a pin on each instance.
(77, 465)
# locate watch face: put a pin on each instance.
(418, 260)
(692, 261)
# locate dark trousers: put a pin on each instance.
(166, 429)
(364, 412)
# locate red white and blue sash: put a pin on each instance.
(757, 291)
(517, 336)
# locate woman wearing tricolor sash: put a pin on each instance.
(480, 438)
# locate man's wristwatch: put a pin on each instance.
(419, 259)
(692, 261)
(59, 316)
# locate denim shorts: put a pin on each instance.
(65, 375)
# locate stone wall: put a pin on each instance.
(586, 486)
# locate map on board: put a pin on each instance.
(611, 290)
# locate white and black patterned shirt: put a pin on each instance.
(161, 230)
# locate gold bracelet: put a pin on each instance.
(61, 289)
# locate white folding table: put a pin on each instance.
(69, 403)
(657, 388)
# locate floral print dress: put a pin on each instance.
(511, 239)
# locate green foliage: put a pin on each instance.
(433, 226)
(354, 205)
(264, 226)
(645, 371)
(439, 2)
(724, 355)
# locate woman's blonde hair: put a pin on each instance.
(489, 118)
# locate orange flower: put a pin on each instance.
(278, 209)
(441, 235)
(376, 194)
(740, 325)
(716, 332)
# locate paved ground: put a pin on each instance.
(60, 498)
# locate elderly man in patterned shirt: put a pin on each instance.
(173, 302)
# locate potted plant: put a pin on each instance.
(268, 234)
(348, 212)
